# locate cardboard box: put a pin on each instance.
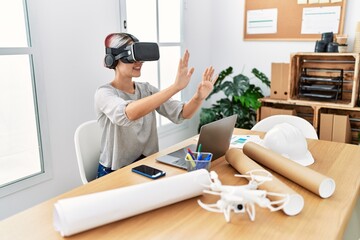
(326, 126)
(335, 128)
(269, 111)
(341, 129)
(279, 80)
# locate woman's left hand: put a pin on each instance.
(207, 83)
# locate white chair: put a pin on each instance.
(87, 147)
(305, 127)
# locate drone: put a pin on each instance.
(241, 199)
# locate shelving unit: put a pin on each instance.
(322, 83)
(325, 77)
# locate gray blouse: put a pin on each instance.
(123, 141)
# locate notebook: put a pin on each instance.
(214, 137)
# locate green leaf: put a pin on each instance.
(260, 75)
(241, 98)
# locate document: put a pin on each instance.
(238, 141)
(302, 1)
(324, 1)
(263, 21)
(313, 1)
(320, 19)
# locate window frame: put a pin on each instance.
(40, 113)
(167, 128)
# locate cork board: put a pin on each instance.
(289, 19)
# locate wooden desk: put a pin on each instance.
(320, 218)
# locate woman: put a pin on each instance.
(125, 109)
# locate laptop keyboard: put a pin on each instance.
(180, 162)
(179, 153)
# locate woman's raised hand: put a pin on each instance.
(207, 83)
(184, 74)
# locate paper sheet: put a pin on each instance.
(263, 21)
(302, 1)
(320, 19)
(238, 141)
(78, 214)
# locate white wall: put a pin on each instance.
(70, 35)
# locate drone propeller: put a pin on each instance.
(210, 207)
(279, 203)
(212, 192)
(259, 176)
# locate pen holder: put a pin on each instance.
(202, 162)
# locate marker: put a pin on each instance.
(208, 157)
(199, 148)
(191, 154)
(191, 160)
(199, 152)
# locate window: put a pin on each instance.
(20, 138)
(156, 21)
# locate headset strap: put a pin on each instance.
(119, 52)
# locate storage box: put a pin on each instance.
(335, 128)
(326, 126)
(341, 129)
(279, 80)
(269, 111)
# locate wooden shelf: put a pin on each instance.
(323, 69)
(343, 66)
(314, 104)
(311, 111)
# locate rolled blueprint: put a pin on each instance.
(304, 176)
(243, 164)
(78, 214)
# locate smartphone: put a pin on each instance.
(148, 171)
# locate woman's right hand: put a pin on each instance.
(184, 74)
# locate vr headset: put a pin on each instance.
(136, 52)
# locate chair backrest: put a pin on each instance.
(305, 127)
(87, 147)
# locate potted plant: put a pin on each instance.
(241, 98)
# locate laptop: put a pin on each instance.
(214, 137)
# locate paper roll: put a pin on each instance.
(357, 43)
(78, 214)
(243, 164)
(305, 177)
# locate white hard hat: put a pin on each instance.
(288, 141)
